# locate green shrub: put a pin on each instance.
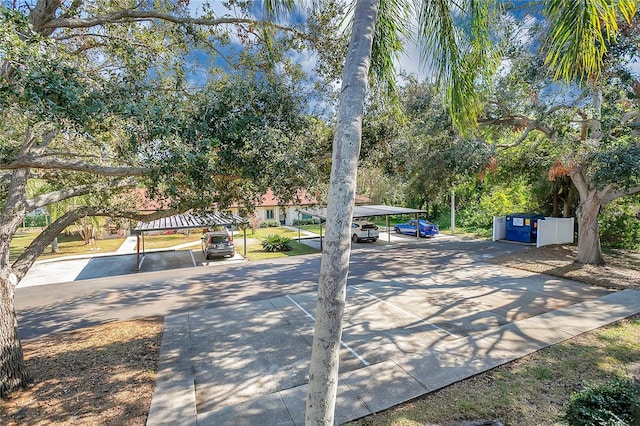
(619, 226)
(273, 243)
(610, 404)
(35, 220)
(270, 224)
(300, 222)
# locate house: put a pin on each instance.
(269, 209)
(272, 209)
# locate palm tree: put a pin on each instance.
(573, 50)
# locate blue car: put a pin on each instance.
(427, 229)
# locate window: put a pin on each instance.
(270, 214)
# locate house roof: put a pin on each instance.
(269, 199)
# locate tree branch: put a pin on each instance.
(579, 181)
(623, 192)
(130, 15)
(72, 165)
(64, 194)
(535, 125)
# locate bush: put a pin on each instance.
(300, 222)
(270, 224)
(611, 404)
(619, 226)
(39, 220)
(275, 243)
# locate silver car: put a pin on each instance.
(218, 244)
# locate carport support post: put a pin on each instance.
(244, 248)
(137, 252)
(417, 227)
(388, 229)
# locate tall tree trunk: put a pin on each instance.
(589, 250)
(13, 371)
(323, 374)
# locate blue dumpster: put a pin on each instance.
(523, 227)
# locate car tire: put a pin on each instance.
(397, 231)
(355, 238)
(374, 240)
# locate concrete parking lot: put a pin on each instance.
(114, 264)
(248, 364)
(110, 265)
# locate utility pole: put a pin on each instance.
(453, 212)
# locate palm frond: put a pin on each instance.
(457, 47)
(393, 29)
(579, 33)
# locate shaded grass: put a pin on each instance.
(531, 390)
(103, 375)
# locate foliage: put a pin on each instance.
(610, 404)
(301, 222)
(620, 225)
(269, 224)
(36, 220)
(417, 157)
(89, 227)
(502, 199)
(275, 242)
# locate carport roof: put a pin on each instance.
(365, 211)
(187, 221)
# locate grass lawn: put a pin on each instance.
(71, 245)
(68, 245)
(255, 252)
(260, 233)
(170, 240)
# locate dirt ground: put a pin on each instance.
(105, 375)
(622, 268)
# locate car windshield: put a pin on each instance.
(216, 239)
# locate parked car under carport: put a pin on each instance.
(427, 229)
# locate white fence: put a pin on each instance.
(555, 230)
(499, 228)
(551, 230)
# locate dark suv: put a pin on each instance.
(218, 244)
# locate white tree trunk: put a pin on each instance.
(323, 375)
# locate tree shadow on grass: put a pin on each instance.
(99, 375)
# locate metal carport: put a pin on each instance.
(187, 221)
(366, 211)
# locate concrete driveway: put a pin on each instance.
(248, 364)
